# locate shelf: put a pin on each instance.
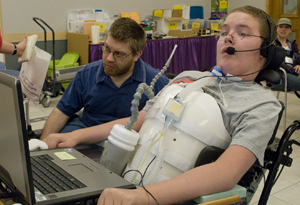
(174, 18)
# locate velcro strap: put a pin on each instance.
(156, 113)
(200, 133)
(174, 158)
(178, 161)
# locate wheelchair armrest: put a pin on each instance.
(208, 154)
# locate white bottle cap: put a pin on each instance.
(123, 138)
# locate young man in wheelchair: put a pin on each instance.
(249, 113)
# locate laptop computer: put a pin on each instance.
(16, 170)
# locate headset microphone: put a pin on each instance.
(231, 50)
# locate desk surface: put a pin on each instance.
(92, 151)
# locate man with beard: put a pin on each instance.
(104, 89)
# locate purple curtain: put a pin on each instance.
(195, 53)
(95, 52)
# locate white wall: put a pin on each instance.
(237, 3)
(17, 14)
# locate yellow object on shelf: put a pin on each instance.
(68, 60)
(133, 15)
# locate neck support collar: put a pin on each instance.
(219, 74)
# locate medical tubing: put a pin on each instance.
(152, 175)
(143, 87)
(192, 87)
(143, 151)
(149, 179)
(164, 68)
(137, 159)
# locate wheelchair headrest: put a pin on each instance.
(268, 75)
(275, 58)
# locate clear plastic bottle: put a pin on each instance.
(120, 145)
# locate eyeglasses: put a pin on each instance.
(236, 36)
(117, 55)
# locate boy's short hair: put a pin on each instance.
(264, 21)
(126, 30)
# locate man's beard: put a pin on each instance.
(118, 71)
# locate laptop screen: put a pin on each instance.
(13, 153)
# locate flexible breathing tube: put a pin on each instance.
(192, 87)
(164, 68)
(137, 160)
(149, 179)
(142, 153)
(143, 88)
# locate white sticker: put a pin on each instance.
(39, 196)
(288, 60)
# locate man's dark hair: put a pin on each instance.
(126, 30)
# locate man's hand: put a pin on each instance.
(61, 140)
(297, 69)
(123, 197)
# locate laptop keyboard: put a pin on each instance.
(50, 178)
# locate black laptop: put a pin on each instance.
(77, 178)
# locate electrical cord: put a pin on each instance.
(268, 62)
(233, 76)
(147, 168)
(142, 182)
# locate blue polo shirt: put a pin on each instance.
(101, 99)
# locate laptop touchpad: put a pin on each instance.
(80, 168)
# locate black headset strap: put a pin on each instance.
(270, 41)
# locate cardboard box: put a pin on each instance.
(166, 24)
(177, 13)
(184, 33)
(79, 43)
(87, 27)
(193, 23)
(167, 13)
(133, 15)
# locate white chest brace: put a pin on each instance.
(164, 152)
